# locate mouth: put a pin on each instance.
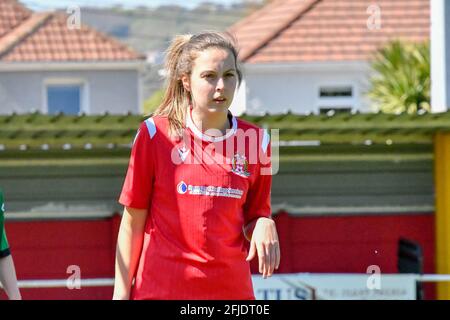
(220, 100)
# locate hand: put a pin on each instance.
(265, 242)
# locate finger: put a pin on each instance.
(252, 251)
(278, 255)
(267, 261)
(272, 251)
(261, 258)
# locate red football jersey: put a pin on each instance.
(200, 191)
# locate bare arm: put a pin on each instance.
(129, 246)
(8, 278)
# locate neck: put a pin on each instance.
(211, 120)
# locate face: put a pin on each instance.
(212, 81)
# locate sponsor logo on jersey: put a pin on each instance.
(211, 191)
(182, 187)
(239, 165)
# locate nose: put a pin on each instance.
(220, 84)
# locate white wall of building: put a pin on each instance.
(23, 90)
(440, 55)
(276, 88)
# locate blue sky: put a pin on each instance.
(51, 4)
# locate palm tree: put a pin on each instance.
(401, 82)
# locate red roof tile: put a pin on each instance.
(12, 14)
(22, 30)
(328, 30)
(45, 37)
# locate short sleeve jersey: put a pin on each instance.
(200, 191)
(4, 247)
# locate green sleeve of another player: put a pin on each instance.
(4, 246)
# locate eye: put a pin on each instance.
(208, 75)
(230, 74)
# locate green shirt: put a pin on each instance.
(4, 246)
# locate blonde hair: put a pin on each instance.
(179, 61)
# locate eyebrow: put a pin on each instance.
(232, 69)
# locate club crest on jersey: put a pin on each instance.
(239, 165)
(183, 153)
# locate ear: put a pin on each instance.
(186, 82)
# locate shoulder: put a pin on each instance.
(245, 125)
(261, 133)
(154, 124)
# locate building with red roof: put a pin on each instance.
(63, 66)
(314, 55)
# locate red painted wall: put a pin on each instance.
(45, 249)
(351, 243)
(340, 244)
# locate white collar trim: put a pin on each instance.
(190, 124)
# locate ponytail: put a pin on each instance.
(176, 98)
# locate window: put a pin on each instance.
(64, 98)
(336, 92)
(66, 95)
(335, 98)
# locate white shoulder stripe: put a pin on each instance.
(136, 136)
(265, 141)
(151, 127)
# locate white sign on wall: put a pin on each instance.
(305, 286)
